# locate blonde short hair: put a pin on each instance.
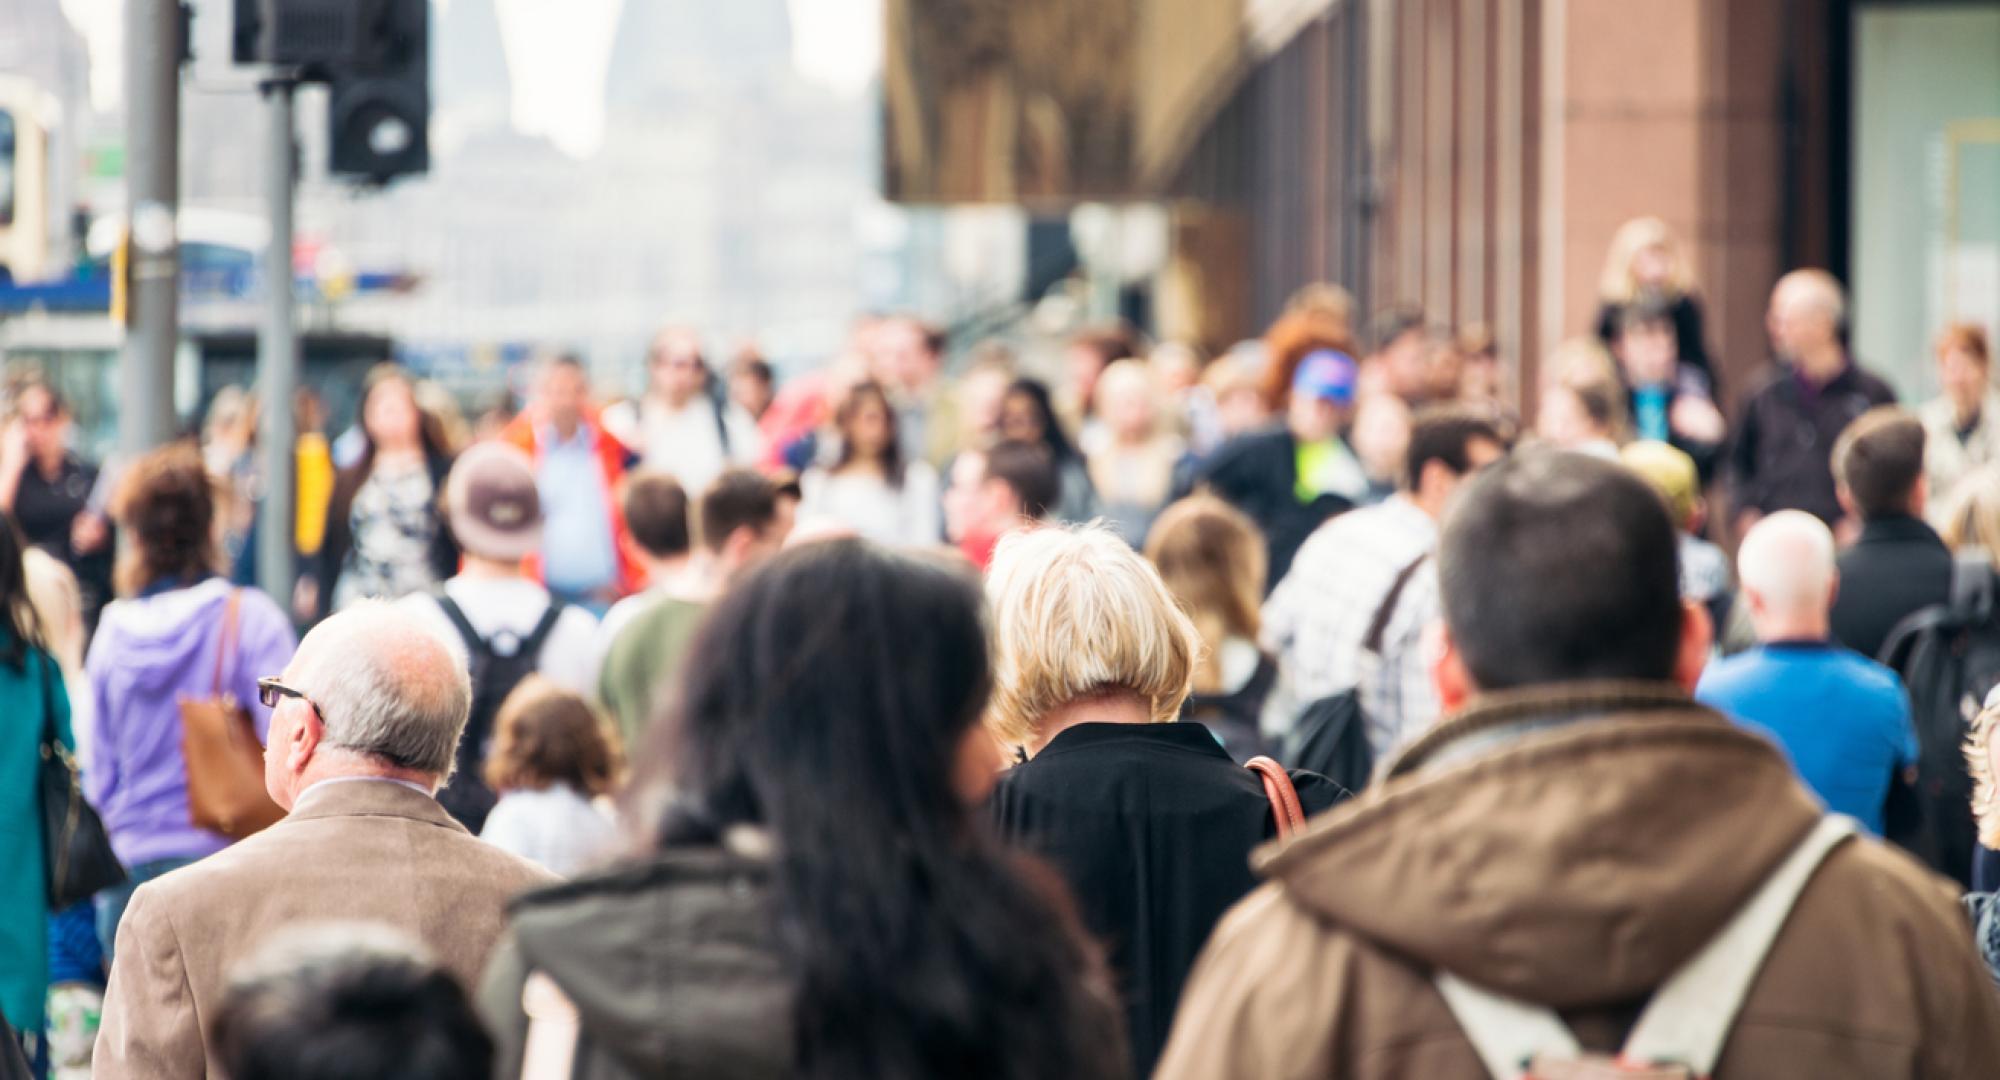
(1979, 765)
(1076, 612)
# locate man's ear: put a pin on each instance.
(306, 736)
(1846, 498)
(1697, 638)
(1449, 677)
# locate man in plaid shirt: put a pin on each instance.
(1373, 565)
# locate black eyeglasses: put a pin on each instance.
(270, 691)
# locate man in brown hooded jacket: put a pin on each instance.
(1571, 835)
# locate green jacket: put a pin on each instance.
(645, 658)
(24, 914)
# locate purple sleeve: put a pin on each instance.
(264, 645)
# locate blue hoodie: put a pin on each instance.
(149, 653)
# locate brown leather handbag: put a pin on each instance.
(1284, 797)
(225, 763)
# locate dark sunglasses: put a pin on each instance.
(270, 691)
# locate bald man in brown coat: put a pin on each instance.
(366, 719)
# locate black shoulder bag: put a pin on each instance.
(76, 852)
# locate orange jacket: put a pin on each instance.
(613, 457)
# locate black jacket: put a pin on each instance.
(1897, 567)
(1258, 473)
(1152, 826)
(1781, 457)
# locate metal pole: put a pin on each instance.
(152, 139)
(277, 354)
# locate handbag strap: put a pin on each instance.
(1689, 1018)
(50, 738)
(227, 643)
(1284, 797)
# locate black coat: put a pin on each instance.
(1781, 458)
(1897, 567)
(1152, 826)
(1258, 473)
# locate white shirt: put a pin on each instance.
(555, 828)
(906, 516)
(1316, 620)
(686, 444)
(512, 605)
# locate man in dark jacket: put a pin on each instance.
(1569, 837)
(1779, 458)
(1291, 479)
(1898, 566)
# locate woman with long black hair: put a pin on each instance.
(385, 531)
(1027, 414)
(820, 899)
(31, 688)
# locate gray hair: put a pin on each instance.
(386, 688)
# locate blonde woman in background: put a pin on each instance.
(58, 604)
(1133, 468)
(1646, 260)
(1212, 560)
(1969, 517)
(1961, 424)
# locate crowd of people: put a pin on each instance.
(1296, 711)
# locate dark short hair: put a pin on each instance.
(1878, 459)
(1559, 567)
(656, 513)
(739, 498)
(355, 1011)
(754, 366)
(1028, 469)
(546, 735)
(1445, 434)
(1649, 308)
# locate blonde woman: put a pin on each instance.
(1645, 261)
(1133, 470)
(1148, 820)
(1984, 902)
(1212, 560)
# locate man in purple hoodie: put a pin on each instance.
(169, 640)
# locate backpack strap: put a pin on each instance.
(1379, 625)
(531, 645)
(226, 644)
(717, 403)
(1284, 797)
(1689, 1018)
(473, 642)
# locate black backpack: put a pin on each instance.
(1949, 658)
(1331, 735)
(499, 664)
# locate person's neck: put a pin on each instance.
(700, 579)
(1111, 708)
(333, 764)
(1795, 626)
(1966, 413)
(672, 399)
(865, 465)
(1431, 505)
(567, 431)
(665, 572)
(399, 450)
(1823, 363)
(481, 568)
(49, 462)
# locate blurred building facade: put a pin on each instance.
(1474, 157)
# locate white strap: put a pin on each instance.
(549, 1052)
(1507, 1034)
(1689, 1018)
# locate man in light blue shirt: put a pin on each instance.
(579, 545)
(1842, 719)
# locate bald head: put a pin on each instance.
(385, 688)
(1786, 566)
(1808, 308)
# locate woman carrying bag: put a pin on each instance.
(31, 701)
(182, 642)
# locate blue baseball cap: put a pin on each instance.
(1326, 374)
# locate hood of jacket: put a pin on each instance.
(1570, 847)
(158, 638)
(671, 963)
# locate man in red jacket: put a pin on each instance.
(578, 466)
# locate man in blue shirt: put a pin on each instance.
(1842, 719)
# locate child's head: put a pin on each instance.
(546, 735)
(1647, 346)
